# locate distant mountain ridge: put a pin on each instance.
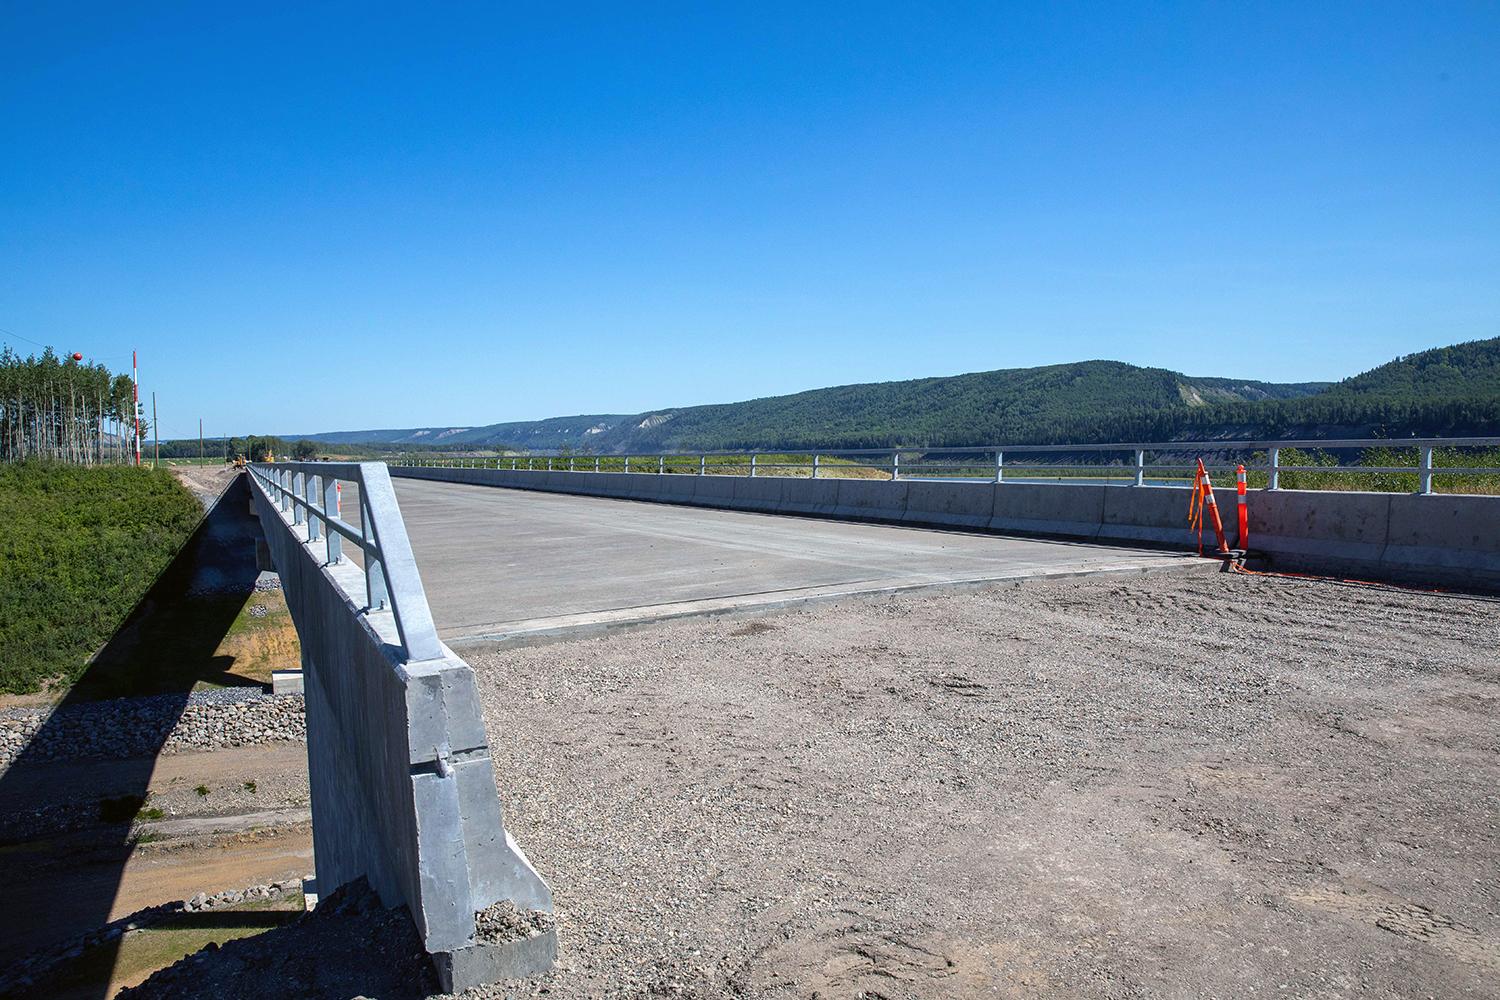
(1448, 390)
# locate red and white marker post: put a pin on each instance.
(1239, 485)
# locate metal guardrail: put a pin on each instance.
(992, 459)
(309, 492)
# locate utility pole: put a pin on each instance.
(155, 435)
(135, 415)
(200, 440)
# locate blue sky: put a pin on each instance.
(366, 215)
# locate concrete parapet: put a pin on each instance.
(810, 496)
(597, 484)
(1154, 515)
(871, 500)
(679, 487)
(714, 491)
(1064, 510)
(1455, 533)
(401, 779)
(762, 493)
(953, 505)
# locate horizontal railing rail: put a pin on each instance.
(310, 492)
(988, 463)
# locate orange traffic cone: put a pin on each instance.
(1202, 500)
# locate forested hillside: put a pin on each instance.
(1450, 391)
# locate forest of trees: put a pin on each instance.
(1448, 391)
(61, 409)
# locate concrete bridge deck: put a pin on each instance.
(504, 565)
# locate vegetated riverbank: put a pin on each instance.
(79, 547)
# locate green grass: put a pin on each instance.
(78, 548)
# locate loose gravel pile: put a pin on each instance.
(131, 727)
(503, 922)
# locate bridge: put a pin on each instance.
(504, 565)
(389, 570)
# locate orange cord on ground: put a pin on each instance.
(1354, 582)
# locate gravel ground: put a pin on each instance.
(119, 728)
(1208, 786)
(1169, 787)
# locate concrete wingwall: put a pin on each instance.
(401, 780)
(1439, 539)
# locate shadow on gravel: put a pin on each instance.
(350, 946)
(64, 886)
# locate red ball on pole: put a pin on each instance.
(77, 356)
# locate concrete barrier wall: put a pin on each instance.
(401, 780)
(1441, 539)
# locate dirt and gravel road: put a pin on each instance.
(1168, 787)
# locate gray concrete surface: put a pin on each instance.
(1440, 540)
(515, 563)
(400, 775)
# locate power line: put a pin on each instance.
(38, 343)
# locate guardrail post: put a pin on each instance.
(702, 464)
(1425, 482)
(999, 466)
(627, 463)
(661, 464)
(298, 491)
(596, 463)
(895, 466)
(570, 464)
(330, 509)
(377, 596)
(313, 528)
(752, 466)
(1140, 467)
(1275, 483)
(815, 465)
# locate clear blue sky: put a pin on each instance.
(347, 216)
